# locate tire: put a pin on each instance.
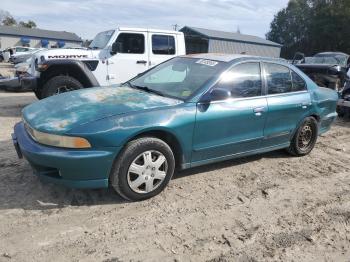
(305, 138)
(134, 187)
(38, 94)
(60, 84)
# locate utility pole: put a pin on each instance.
(175, 27)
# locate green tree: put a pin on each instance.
(312, 26)
(9, 21)
(29, 24)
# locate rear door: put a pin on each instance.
(130, 59)
(235, 125)
(288, 103)
(162, 47)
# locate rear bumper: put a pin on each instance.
(69, 167)
(326, 122)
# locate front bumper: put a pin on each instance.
(19, 83)
(88, 168)
(28, 82)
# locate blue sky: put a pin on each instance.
(88, 17)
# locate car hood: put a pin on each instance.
(59, 114)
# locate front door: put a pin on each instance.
(236, 125)
(131, 57)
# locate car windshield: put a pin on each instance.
(101, 40)
(328, 59)
(179, 78)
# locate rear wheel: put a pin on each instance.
(143, 169)
(60, 84)
(305, 138)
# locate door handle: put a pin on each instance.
(304, 105)
(141, 62)
(259, 110)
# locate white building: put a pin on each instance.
(33, 37)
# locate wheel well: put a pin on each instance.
(168, 138)
(316, 117)
(66, 70)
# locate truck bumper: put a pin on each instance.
(28, 82)
(19, 83)
(69, 167)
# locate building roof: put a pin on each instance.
(215, 34)
(39, 33)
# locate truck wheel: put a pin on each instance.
(143, 169)
(38, 94)
(60, 84)
(305, 138)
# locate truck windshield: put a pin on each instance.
(179, 78)
(101, 40)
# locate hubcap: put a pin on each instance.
(305, 137)
(147, 171)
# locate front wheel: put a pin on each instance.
(38, 94)
(143, 169)
(60, 84)
(305, 138)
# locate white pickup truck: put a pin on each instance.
(113, 57)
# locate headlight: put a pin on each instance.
(57, 140)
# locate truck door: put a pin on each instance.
(162, 47)
(131, 57)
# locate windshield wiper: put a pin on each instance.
(145, 88)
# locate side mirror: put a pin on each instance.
(114, 49)
(216, 94)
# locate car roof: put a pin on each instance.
(231, 57)
(332, 53)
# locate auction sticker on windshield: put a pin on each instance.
(207, 62)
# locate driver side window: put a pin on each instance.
(243, 80)
(130, 43)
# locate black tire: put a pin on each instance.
(38, 94)
(62, 83)
(305, 138)
(120, 177)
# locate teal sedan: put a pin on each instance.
(186, 112)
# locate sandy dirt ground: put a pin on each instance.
(270, 207)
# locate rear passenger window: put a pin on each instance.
(163, 45)
(131, 43)
(298, 83)
(243, 80)
(278, 79)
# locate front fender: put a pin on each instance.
(79, 69)
(116, 131)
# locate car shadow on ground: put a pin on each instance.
(20, 189)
